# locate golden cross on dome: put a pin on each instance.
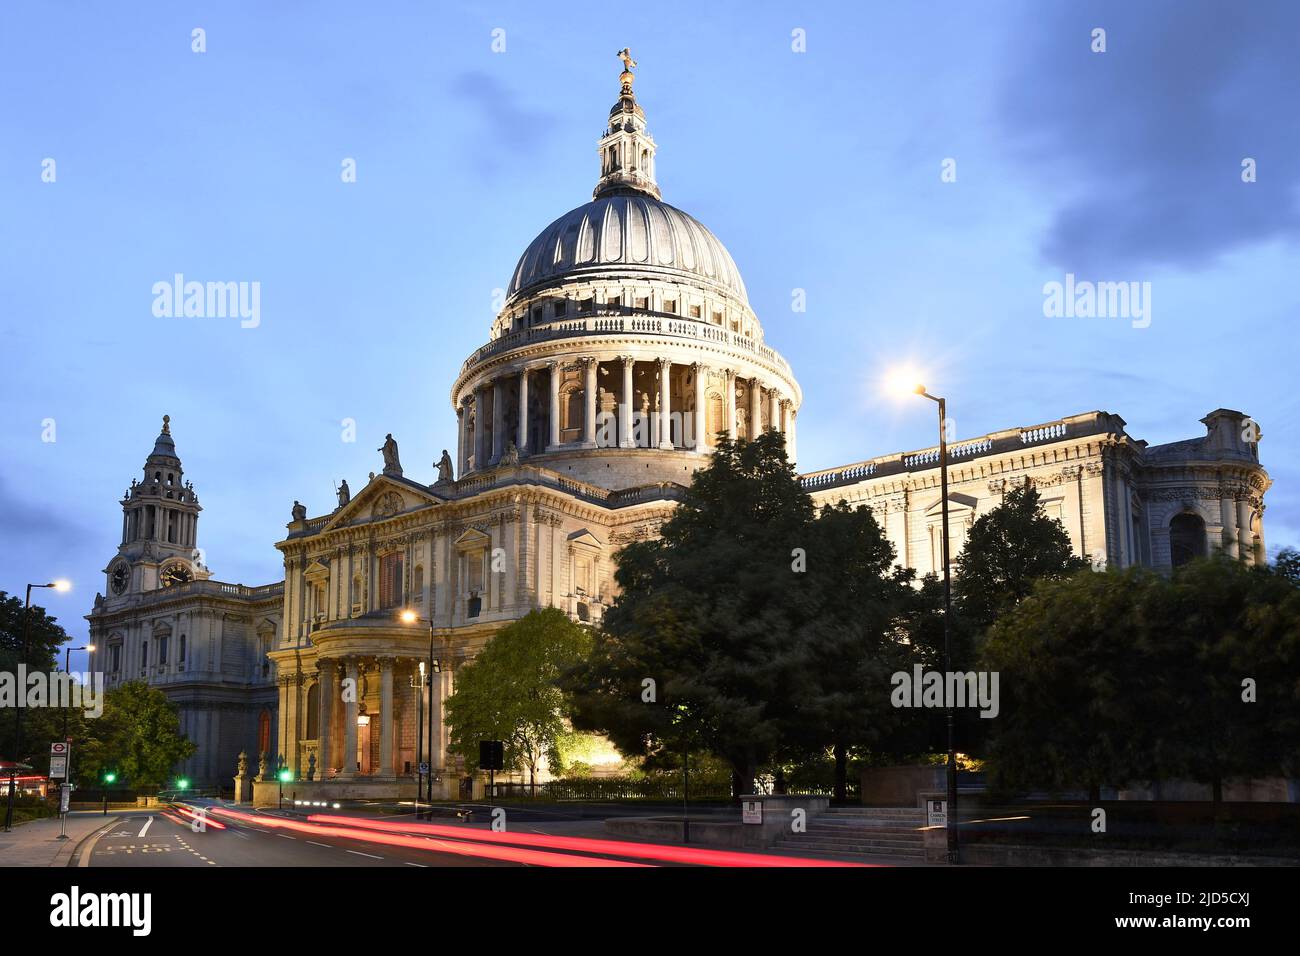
(625, 55)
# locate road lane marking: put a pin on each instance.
(424, 865)
(286, 836)
(145, 829)
(371, 855)
(328, 846)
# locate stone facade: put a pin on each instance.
(626, 344)
(1122, 502)
(164, 620)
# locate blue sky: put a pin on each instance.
(820, 170)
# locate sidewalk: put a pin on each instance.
(37, 844)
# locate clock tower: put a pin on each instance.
(160, 522)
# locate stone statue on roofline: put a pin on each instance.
(392, 465)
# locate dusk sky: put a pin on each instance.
(820, 170)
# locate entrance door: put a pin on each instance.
(363, 745)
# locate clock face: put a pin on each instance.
(175, 574)
(121, 578)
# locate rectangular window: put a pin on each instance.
(144, 655)
(116, 658)
(696, 312)
(586, 305)
(615, 302)
(474, 570)
(162, 650)
(537, 314)
(717, 318)
(642, 302)
(561, 307)
(670, 305)
(390, 580)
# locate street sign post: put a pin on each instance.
(936, 813)
(58, 768)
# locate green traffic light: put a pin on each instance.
(110, 778)
(286, 776)
(182, 784)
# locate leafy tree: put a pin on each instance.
(138, 737)
(706, 618)
(853, 638)
(1007, 550)
(1075, 663)
(44, 636)
(1128, 675)
(511, 692)
(1223, 624)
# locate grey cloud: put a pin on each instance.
(1147, 139)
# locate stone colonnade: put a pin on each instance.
(487, 423)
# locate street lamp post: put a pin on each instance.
(18, 711)
(424, 781)
(953, 855)
(67, 767)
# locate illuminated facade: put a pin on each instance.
(625, 344)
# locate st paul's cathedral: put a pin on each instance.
(625, 345)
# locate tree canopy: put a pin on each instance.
(511, 691)
(1007, 550)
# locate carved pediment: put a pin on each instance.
(384, 497)
(585, 539)
(472, 539)
(955, 501)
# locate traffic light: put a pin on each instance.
(286, 775)
(182, 783)
(491, 755)
(110, 777)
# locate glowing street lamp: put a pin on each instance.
(919, 389)
(409, 616)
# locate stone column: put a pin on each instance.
(790, 436)
(522, 441)
(731, 403)
(755, 409)
(625, 437)
(589, 402)
(386, 717)
(700, 440)
(1244, 536)
(478, 427)
(348, 764)
(329, 692)
(1229, 541)
(498, 418)
(773, 410)
(665, 404)
(460, 438)
(555, 406)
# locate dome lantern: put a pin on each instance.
(627, 151)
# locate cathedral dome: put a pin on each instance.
(628, 232)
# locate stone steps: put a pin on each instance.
(851, 832)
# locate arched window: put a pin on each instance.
(313, 712)
(1186, 539)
